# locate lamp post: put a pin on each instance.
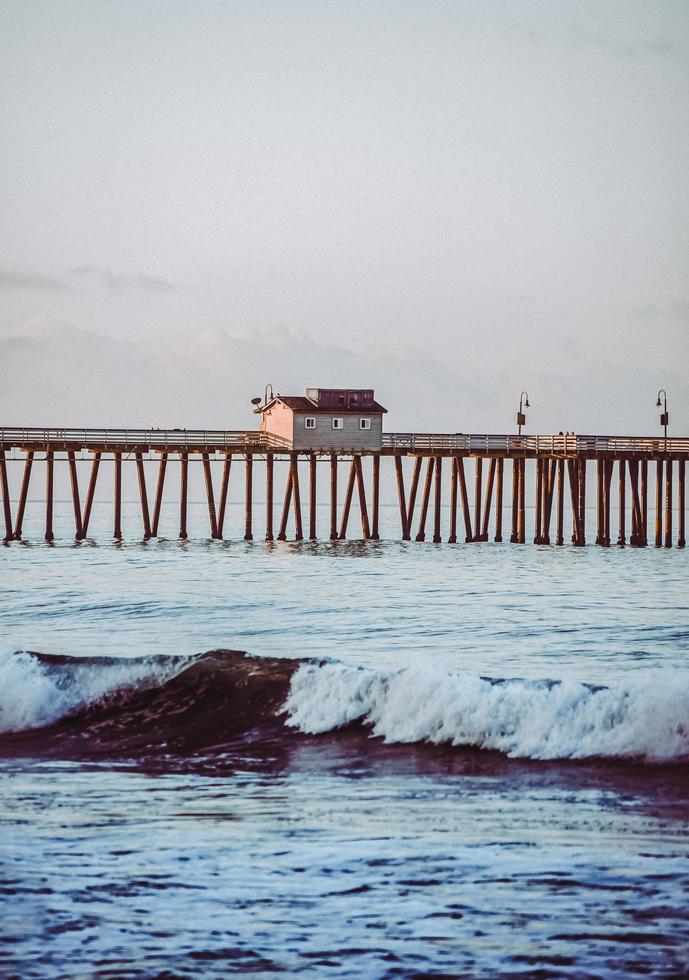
(664, 415)
(521, 417)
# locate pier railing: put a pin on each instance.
(131, 439)
(565, 444)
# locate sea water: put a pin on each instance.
(401, 759)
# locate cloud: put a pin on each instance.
(116, 283)
(29, 280)
(154, 285)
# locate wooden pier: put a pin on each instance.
(560, 465)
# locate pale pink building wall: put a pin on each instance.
(280, 420)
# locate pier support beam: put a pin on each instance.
(466, 513)
(452, 539)
(90, 492)
(312, 496)
(23, 495)
(416, 475)
(117, 530)
(294, 470)
(498, 500)
(224, 489)
(269, 495)
(636, 538)
(375, 503)
(365, 529)
(143, 495)
(644, 500)
(286, 503)
(681, 504)
(560, 533)
(478, 487)
(5, 490)
(183, 495)
(347, 501)
(607, 479)
(248, 498)
(402, 498)
(210, 496)
(49, 458)
(622, 503)
(488, 501)
(76, 502)
(333, 497)
(548, 491)
(437, 503)
(514, 537)
(421, 533)
(162, 467)
(668, 503)
(659, 504)
(521, 523)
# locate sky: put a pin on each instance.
(449, 202)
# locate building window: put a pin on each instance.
(364, 423)
(309, 422)
(338, 423)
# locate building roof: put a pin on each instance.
(298, 403)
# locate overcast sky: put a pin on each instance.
(446, 201)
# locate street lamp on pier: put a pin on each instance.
(664, 415)
(521, 417)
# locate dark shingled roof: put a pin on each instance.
(298, 403)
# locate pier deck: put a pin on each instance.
(559, 464)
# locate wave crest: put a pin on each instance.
(646, 718)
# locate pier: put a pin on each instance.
(487, 475)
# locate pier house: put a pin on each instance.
(326, 420)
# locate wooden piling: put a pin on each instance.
(538, 518)
(644, 501)
(560, 533)
(269, 496)
(599, 501)
(312, 496)
(333, 496)
(668, 503)
(23, 495)
(49, 457)
(416, 474)
(421, 533)
(636, 536)
(225, 486)
(90, 492)
(452, 539)
(498, 500)
(286, 503)
(402, 498)
(248, 497)
(548, 491)
(74, 484)
(294, 467)
(162, 467)
(375, 503)
(6, 505)
(606, 502)
(117, 530)
(210, 495)
(468, 531)
(621, 503)
(489, 499)
(681, 504)
(582, 502)
(659, 504)
(514, 537)
(478, 488)
(183, 495)
(365, 529)
(143, 496)
(521, 524)
(347, 501)
(437, 503)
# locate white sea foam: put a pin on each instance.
(34, 693)
(645, 717)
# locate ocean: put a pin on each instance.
(341, 759)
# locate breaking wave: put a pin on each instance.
(121, 707)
